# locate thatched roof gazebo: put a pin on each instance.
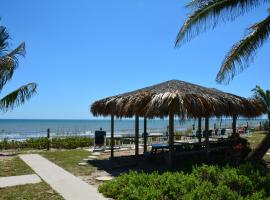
(175, 97)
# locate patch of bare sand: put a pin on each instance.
(92, 178)
(115, 167)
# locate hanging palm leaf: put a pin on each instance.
(207, 14)
(8, 64)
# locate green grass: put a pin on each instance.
(69, 159)
(13, 167)
(40, 191)
(256, 138)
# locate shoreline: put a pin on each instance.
(18, 130)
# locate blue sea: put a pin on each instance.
(19, 129)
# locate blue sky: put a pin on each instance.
(81, 51)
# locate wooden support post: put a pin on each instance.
(235, 134)
(200, 129)
(112, 136)
(48, 139)
(136, 135)
(145, 135)
(207, 134)
(200, 124)
(207, 124)
(171, 138)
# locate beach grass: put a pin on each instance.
(69, 159)
(13, 166)
(39, 191)
(70, 142)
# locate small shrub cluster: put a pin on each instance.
(41, 143)
(204, 183)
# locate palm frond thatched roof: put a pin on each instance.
(178, 97)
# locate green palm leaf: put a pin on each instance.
(8, 63)
(243, 52)
(4, 36)
(18, 97)
(261, 149)
(207, 14)
(263, 96)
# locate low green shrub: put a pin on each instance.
(204, 183)
(41, 143)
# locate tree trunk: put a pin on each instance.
(257, 154)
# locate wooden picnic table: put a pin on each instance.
(178, 145)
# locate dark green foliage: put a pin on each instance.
(41, 143)
(208, 191)
(204, 183)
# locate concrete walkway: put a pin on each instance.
(66, 184)
(19, 180)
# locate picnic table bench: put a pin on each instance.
(177, 146)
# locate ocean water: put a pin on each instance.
(24, 128)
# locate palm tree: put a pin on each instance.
(8, 64)
(206, 14)
(262, 148)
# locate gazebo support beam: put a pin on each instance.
(207, 134)
(171, 138)
(200, 124)
(200, 129)
(136, 135)
(112, 136)
(207, 124)
(234, 126)
(145, 135)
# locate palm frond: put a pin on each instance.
(243, 52)
(8, 63)
(259, 93)
(4, 36)
(207, 14)
(268, 99)
(263, 96)
(18, 97)
(196, 3)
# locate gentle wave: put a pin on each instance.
(24, 128)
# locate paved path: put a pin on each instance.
(66, 184)
(19, 180)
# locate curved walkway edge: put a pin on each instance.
(63, 182)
